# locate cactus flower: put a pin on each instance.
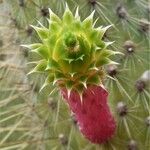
(73, 55)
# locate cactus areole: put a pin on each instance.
(73, 54)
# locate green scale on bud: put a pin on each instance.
(72, 51)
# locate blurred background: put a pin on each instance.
(30, 119)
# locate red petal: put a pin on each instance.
(93, 115)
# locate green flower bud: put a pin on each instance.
(70, 40)
(73, 52)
